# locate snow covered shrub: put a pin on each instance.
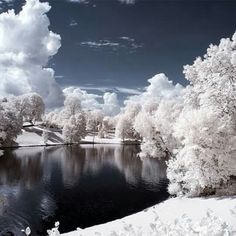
(54, 231)
(75, 128)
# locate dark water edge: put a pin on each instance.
(79, 186)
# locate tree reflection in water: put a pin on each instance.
(78, 185)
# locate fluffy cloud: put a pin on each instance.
(88, 100)
(110, 105)
(26, 44)
(159, 88)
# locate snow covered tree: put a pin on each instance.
(105, 127)
(75, 128)
(152, 143)
(165, 118)
(124, 127)
(58, 118)
(10, 123)
(206, 159)
(30, 106)
(51, 120)
(72, 105)
(94, 121)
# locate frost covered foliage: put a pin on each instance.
(16, 109)
(26, 44)
(124, 127)
(57, 119)
(94, 120)
(75, 128)
(156, 128)
(194, 127)
(206, 159)
(152, 144)
(31, 107)
(161, 104)
(10, 122)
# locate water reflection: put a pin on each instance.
(41, 185)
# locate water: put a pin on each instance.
(79, 186)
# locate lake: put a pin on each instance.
(79, 186)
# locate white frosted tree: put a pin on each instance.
(94, 121)
(10, 123)
(31, 107)
(51, 120)
(105, 127)
(125, 124)
(206, 159)
(125, 129)
(75, 128)
(152, 143)
(72, 105)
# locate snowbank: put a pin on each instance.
(176, 216)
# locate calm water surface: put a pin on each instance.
(79, 186)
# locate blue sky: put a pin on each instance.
(108, 44)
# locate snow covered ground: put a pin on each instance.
(175, 217)
(33, 136)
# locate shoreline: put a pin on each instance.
(31, 136)
(172, 214)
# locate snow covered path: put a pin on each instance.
(168, 218)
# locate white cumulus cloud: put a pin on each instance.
(26, 45)
(108, 103)
(159, 88)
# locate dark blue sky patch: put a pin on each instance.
(107, 43)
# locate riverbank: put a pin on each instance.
(177, 217)
(32, 136)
